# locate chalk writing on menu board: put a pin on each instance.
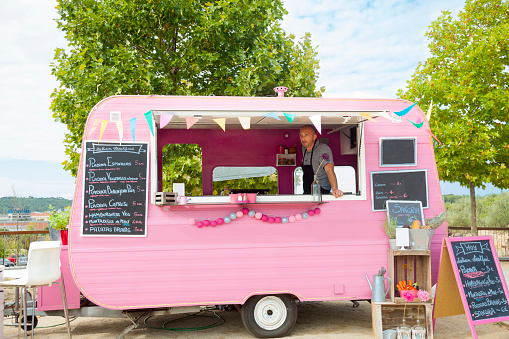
(398, 185)
(480, 279)
(405, 212)
(115, 189)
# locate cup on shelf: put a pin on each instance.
(251, 197)
(234, 197)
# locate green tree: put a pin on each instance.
(174, 47)
(467, 79)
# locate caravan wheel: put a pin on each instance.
(269, 316)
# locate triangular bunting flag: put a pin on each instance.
(317, 121)
(94, 126)
(433, 136)
(385, 115)
(417, 124)
(148, 116)
(120, 128)
(190, 121)
(104, 123)
(367, 116)
(132, 125)
(221, 122)
(289, 117)
(165, 119)
(428, 115)
(405, 111)
(271, 115)
(245, 122)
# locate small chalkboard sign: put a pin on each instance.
(398, 152)
(398, 185)
(471, 281)
(115, 189)
(405, 212)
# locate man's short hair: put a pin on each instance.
(311, 127)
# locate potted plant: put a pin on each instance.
(390, 225)
(59, 220)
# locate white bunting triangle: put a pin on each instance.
(245, 122)
(317, 122)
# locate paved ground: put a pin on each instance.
(315, 320)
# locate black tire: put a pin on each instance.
(29, 322)
(269, 316)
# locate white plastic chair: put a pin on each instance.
(43, 269)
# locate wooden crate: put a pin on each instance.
(387, 315)
(407, 265)
(166, 198)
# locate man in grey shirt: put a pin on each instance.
(317, 160)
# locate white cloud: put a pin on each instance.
(366, 48)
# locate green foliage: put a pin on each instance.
(175, 47)
(182, 163)
(266, 182)
(451, 198)
(498, 212)
(59, 219)
(33, 204)
(492, 211)
(390, 225)
(467, 79)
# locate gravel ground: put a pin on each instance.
(315, 320)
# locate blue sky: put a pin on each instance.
(367, 49)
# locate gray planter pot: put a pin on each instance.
(54, 234)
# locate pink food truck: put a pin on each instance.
(133, 246)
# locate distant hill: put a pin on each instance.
(33, 204)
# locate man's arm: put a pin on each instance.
(329, 169)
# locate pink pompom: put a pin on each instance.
(291, 218)
(245, 210)
(271, 220)
(258, 215)
(318, 211)
(213, 223)
(199, 224)
(206, 222)
(298, 216)
(191, 221)
(278, 220)
(265, 218)
(240, 214)
(311, 213)
(220, 221)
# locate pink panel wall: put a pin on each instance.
(320, 258)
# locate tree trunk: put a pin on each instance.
(473, 210)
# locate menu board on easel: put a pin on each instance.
(471, 281)
(115, 189)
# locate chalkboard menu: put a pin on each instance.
(398, 185)
(398, 152)
(115, 189)
(483, 289)
(405, 212)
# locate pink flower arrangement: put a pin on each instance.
(408, 299)
(423, 295)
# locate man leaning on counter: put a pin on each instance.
(314, 154)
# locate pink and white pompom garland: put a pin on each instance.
(254, 214)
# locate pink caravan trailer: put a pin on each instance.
(133, 246)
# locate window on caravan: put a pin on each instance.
(182, 163)
(244, 178)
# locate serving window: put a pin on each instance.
(201, 155)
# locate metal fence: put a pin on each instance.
(16, 243)
(500, 237)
